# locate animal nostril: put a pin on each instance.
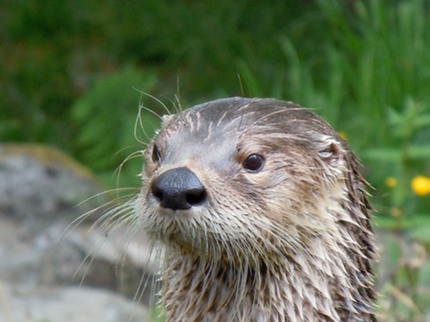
(158, 194)
(196, 196)
(178, 188)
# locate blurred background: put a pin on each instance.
(78, 75)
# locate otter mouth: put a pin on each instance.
(177, 200)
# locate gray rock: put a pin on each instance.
(71, 304)
(41, 182)
(53, 265)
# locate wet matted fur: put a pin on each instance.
(267, 218)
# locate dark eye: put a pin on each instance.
(254, 163)
(155, 154)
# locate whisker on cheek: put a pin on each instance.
(257, 212)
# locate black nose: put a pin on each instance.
(178, 188)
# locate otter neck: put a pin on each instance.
(293, 289)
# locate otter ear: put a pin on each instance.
(329, 150)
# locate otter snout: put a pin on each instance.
(178, 189)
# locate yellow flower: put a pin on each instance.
(390, 182)
(421, 185)
(342, 135)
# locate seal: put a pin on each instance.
(261, 213)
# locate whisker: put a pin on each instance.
(166, 109)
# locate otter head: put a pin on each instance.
(258, 188)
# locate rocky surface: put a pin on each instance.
(71, 304)
(53, 267)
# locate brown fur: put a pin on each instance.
(291, 242)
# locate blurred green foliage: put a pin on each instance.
(105, 116)
(72, 74)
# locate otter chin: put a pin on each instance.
(261, 213)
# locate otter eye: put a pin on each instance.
(155, 154)
(254, 163)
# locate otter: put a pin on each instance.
(261, 213)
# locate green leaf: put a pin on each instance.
(406, 222)
(421, 233)
(383, 154)
(422, 121)
(419, 152)
(106, 117)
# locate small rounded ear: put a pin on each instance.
(329, 150)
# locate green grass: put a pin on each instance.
(106, 116)
(369, 76)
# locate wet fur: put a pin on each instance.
(289, 243)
